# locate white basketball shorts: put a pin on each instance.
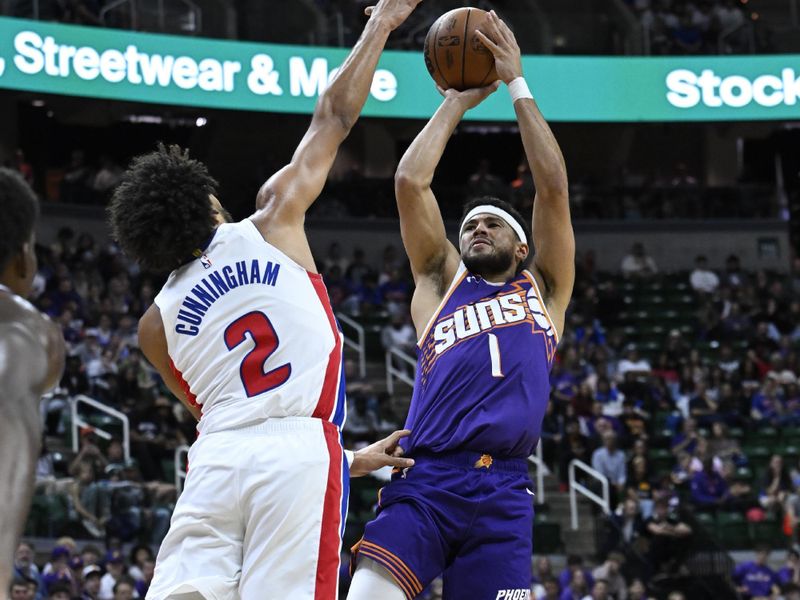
(261, 516)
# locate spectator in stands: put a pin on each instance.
(776, 485)
(668, 536)
(484, 183)
(542, 569)
(686, 441)
(754, 579)
(709, 489)
(91, 582)
(703, 279)
(599, 591)
(574, 565)
(399, 335)
(18, 590)
(722, 446)
(550, 590)
(577, 588)
(396, 293)
(358, 268)
(637, 591)
(634, 364)
(148, 570)
(59, 592)
(60, 573)
(90, 500)
(25, 568)
(702, 405)
(767, 405)
(115, 572)
(609, 573)
(687, 37)
(790, 572)
(124, 589)
(140, 554)
(733, 277)
(610, 461)
(638, 264)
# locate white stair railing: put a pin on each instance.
(180, 472)
(541, 470)
(358, 345)
(78, 422)
(575, 487)
(393, 372)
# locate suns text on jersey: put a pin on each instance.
(218, 283)
(472, 319)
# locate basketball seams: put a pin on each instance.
(464, 48)
(436, 53)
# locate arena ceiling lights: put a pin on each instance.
(123, 65)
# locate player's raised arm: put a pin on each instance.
(553, 238)
(291, 191)
(433, 258)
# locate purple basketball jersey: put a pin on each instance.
(483, 369)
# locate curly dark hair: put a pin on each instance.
(160, 213)
(20, 209)
(506, 206)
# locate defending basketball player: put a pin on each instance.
(31, 362)
(244, 333)
(488, 328)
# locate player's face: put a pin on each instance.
(25, 266)
(220, 214)
(489, 246)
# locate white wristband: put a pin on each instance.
(518, 89)
(350, 455)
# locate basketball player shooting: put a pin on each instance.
(31, 362)
(488, 328)
(243, 332)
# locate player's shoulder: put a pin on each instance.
(25, 334)
(16, 312)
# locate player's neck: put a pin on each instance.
(498, 278)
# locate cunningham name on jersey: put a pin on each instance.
(216, 284)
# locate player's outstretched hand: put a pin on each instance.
(394, 12)
(469, 98)
(383, 453)
(500, 41)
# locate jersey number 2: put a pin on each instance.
(255, 380)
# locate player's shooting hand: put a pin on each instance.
(469, 98)
(380, 454)
(393, 12)
(500, 41)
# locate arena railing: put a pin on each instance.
(78, 422)
(541, 470)
(393, 372)
(359, 345)
(180, 472)
(576, 487)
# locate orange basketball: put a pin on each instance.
(454, 55)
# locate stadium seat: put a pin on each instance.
(768, 532)
(546, 535)
(661, 461)
(744, 474)
(732, 530)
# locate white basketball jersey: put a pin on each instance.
(251, 334)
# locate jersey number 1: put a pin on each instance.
(494, 353)
(255, 380)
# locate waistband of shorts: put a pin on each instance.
(277, 425)
(472, 460)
